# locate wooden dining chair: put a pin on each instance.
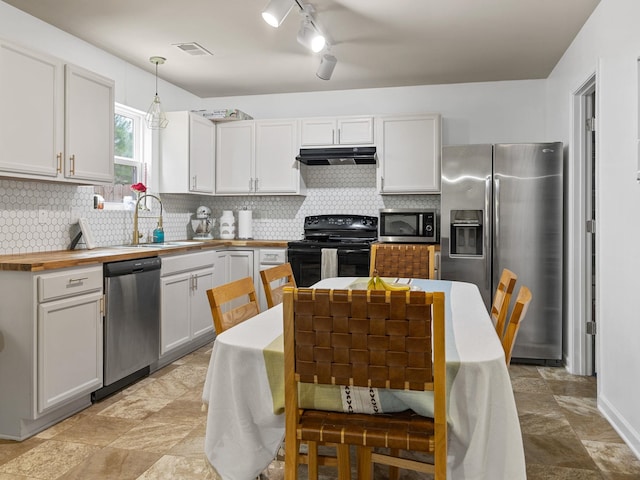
(520, 308)
(501, 300)
(241, 289)
(281, 274)
(372, 339)
(402, 260)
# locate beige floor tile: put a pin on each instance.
(10, 449)
(178, 468)
(49, 460)
(153, 437)
(529, 385)
(557, 451)
(113, 464)
(180, 411)
(546, 472)
(96, 430)
(135, 407)
(613, 457)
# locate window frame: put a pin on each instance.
(141, 155)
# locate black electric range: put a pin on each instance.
(333, 245)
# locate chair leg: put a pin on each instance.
(365, 466)
(394, 472)
(291, 453)
(312, 458)
(344, 462)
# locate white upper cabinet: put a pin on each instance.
(276, 169)
(89, 117)
(187, 154)
(408, 150)
(325, 131)
(258, 156)
(57, 120)
(235, 157)
(31, 103)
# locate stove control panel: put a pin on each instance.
(340, 222)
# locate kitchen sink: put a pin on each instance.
(186, 243)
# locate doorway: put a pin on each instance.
(584, 223)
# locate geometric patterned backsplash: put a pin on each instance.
(40, 216)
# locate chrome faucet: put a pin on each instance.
(136, 234)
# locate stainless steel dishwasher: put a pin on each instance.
(131, 322)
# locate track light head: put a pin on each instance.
(309, 37)
(327, 64)
(276, 11)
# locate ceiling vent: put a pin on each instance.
(192, 48)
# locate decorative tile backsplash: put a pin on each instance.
(37, 216)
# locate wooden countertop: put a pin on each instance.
(39, 261)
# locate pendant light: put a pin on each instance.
(156, 118)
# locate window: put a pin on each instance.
(131, 154)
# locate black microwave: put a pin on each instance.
(407, 225)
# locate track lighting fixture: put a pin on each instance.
(156, 118)
(310, 34)
(327, 64)
(276, 11)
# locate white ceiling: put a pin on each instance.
(378, 43)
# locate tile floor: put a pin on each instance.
(155, 429)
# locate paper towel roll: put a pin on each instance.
(244, 224)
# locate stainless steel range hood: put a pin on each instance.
(338, 156)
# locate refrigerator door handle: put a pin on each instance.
(486, 236)
(496, 215)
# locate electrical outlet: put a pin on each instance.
(42, 215)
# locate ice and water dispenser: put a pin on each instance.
(466, 232)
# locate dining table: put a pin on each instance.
(244, 391)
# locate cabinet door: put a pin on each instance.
(235, 157)
(355, 131)
(409, 154)
(89, 113)
(201, 319)
(31, 102)
(202, 135)
(318, 131)
(175, 300)
(69, 349)
(277, 170)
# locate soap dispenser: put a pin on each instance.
(158, 233)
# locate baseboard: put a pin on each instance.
(629, 434)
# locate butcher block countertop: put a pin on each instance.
(40, 261)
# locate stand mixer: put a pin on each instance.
(202, 224)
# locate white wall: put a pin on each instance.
(492, 112)
(609, 46)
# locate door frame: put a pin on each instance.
(579, 348)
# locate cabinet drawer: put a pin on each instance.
(273, 256)
(186, 262)
(68, 283)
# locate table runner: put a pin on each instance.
(334, 397)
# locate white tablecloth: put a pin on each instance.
(243, 433)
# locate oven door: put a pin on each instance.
(353, 262)
(306, 263)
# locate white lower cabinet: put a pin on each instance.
(235, 264)
(185, 312)
(69, 349)
(267, 258)
(69, 329)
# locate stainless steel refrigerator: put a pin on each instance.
(502, 207)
